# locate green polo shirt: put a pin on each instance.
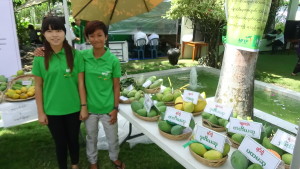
(99, 74)
(60, 87)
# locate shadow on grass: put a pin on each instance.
(266, 77)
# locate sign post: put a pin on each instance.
(10, 61)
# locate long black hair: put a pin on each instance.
(56, 23)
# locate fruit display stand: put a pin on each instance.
(173, 147)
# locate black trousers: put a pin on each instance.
(65, 133)
(276, 44)
(297, 67)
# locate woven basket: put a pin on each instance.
(152, 91)
(211, 126)
(197, 113)
(210, 163)
(176, 137)
(170, 103)
(23, 77)
(155, 118)
(125, 102)
(234, 144)
(286, 166)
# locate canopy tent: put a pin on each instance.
(29, 4)
(148, 22)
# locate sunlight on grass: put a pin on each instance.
(6, 132)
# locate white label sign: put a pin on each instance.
(190, 96)
(148, 102)
(219, 110)
(244, 127)
(162, 88)
(177, 116)
(210, 138)
(123, 98)
(147, 84)
(284, 141)
(18, 113)
(129, 88)
(258, 154)
(10, 61)
(26, 82)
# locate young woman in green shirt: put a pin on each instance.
(102, 80)
(60, 91)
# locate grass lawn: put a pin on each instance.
(30, 146)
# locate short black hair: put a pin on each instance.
(92, 26)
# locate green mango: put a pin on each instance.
(164, 126)
(177, 130)
(238, 160)
(142, 112)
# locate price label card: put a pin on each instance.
(256, 153)
(244, 127)
(210, 138)
(18, 113)
(177, 116)
(26, 82)
(147, 84)
(148, 103)
(129, 88)
(190, 96)
(123, 98)
(219, 110)
(284, 141)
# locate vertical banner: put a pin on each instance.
(10, 61)
(246, 23)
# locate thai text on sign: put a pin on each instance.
(244, 127)
(177, 116)
(219, 110)
(284, 141)
(190, 96)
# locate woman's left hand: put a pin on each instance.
(83, 113)
(113, 116)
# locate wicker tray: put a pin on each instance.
(197, 113)
(152, 91)
(23, 77)
(170, 103)
(210, 163)
(234, 144)
(155, 118)
(211, 126)
(176, 137)
(286, 166)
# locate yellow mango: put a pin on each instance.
(179, 103)
(18, 91)
(200, 105)
(23, 96)
(23, 89)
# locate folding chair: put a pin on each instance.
(153, 47)
(140, 48)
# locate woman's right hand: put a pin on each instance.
(43, 120)
(39, 51)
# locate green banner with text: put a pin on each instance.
(246, 22)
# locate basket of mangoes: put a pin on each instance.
(20, 89)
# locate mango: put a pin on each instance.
(142, 99)
(135, 106)
(213, 155)
(221, 121)
(206, 115)
(267, 144)
(162, 108)
(198, 148)
(213, 119)
(156, 84)
(164, 126)
(151, 78)
(237, 137)
(179, 103)
(177, 130)
(159, 96)
(18, 91)
(188, 107)
(131, 93)
(192, 123)
(167, 90)
(167, 97)
(158, 104)
(142, 112)
(123, 93)
(152, 113)
(176, 93)
(203, 95)
(200, 105)
(23, 89)
(255, 166)
(238, 160)
(23, 96)
(287, 158)
(226, 149)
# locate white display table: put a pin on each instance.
(173, 148)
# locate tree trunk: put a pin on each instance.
(236, 83)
